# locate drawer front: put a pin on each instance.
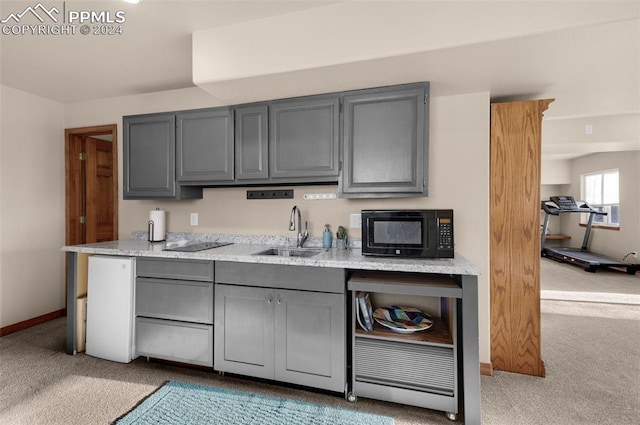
(177, 341)
(175, 299)
(167, 268)
(423, 368)
(305, 278)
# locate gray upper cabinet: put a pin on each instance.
(252, 142)
(149, 159)
(205, 151)
(373, 143)
(304, 139)
(385, 142)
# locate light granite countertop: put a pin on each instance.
(244, 249)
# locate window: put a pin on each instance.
(600, 190)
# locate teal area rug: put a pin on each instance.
(180, 403)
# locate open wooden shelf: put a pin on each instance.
(436, 334)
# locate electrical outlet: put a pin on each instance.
(355, 221)
(316, 196)
(194, 219)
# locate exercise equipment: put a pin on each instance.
(591, 261)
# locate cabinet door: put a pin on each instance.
(149, 158)
(205, 145)
(385, 138)
(310, 339)
(149, 161)
(252, 137)
(244, 333)
(304, 139)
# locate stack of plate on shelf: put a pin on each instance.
(364, 313)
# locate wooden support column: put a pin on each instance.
(515, 236)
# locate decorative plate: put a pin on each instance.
(404, 320)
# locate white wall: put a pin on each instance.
(458, 179)
(612, 243)
(555, 172)
(32, 206)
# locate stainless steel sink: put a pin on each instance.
(290, 252)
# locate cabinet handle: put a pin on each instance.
(279, 299)
(270, 298)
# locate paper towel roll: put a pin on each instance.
(156, 225)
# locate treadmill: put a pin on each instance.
(579, 256)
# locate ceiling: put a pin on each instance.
(586, 55)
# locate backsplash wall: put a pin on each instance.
(226, 210)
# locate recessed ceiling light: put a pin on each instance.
(132, 1)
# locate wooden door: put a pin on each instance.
(99, 194)
(74, 186)
(91, 185)
(515, 236)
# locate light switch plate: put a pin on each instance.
(194, 219)
(355, 221)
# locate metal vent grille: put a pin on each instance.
(411, 366)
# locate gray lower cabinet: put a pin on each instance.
(385, 142)
(183, 269)
(150, 157)
(245, 334)
(304, 142)
(174, 310)
(294, 336)
(176, 341)
(205, 146)
(422, 368)
(182, 300)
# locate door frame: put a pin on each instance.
(72, 196)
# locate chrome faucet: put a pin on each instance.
(302, 237)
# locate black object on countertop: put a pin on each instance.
(198, 246)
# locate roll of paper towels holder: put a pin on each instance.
(156, 225)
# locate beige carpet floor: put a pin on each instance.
(590, 349)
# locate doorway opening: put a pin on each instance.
(91, 181)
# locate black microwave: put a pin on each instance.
(408, 233)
